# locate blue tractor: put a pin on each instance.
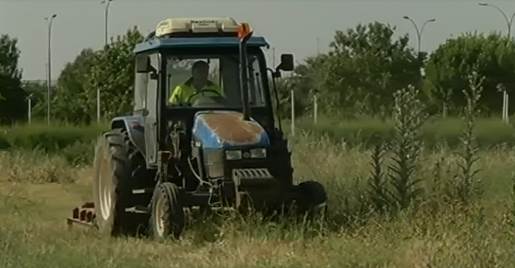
(189, 146)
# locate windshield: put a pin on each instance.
(209, 81)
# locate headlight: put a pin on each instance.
(233, 155)
(258, 153)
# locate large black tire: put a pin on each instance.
(113, 184)
(167, 219)
(313, 199)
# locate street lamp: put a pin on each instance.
(418, 30)
(49, 64)
(509, 21)
(107, 3)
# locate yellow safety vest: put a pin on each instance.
(183, 92)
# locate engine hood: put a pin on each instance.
(227, 129)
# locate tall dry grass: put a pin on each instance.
(35, 167)
(438, 233)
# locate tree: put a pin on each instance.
(111, 70)
(448, 67)
(113, 73)
(363, 69)
(70, 100)
(12, 95)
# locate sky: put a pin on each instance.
(301, 27)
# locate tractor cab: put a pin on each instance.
(204, 81)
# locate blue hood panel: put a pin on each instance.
(227, 129)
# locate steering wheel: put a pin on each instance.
(218, 94)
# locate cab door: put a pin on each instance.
(151, 114)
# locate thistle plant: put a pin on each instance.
(468, 183)
(408, 118)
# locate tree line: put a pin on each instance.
(358, 76)
(367, 64)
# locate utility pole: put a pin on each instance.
(49, 64)
(292, 94)
(29, 109)
(315, 108)
(505, 103)
(98, 105)
(506, 109)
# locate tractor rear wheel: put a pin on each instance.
(313, 199)
(167, 217)
(113, 185)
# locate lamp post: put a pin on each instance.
(501, 88)
(509, 21)
(292, 95)
(49, 64)
(419, 31)
(107, 4)
(29, 108)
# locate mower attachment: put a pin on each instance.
(83, 215)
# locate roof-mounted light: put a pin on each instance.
(197, 26)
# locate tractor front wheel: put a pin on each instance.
(167, 216)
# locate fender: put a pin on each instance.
(135, 129)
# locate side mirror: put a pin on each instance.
(286, 63)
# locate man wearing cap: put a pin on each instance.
(197, 85)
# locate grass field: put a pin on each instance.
(38, 190)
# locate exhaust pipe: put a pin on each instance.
(244, 35)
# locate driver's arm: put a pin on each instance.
(177, 96)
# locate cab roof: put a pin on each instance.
(197, 42)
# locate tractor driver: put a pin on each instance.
(196, 86)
